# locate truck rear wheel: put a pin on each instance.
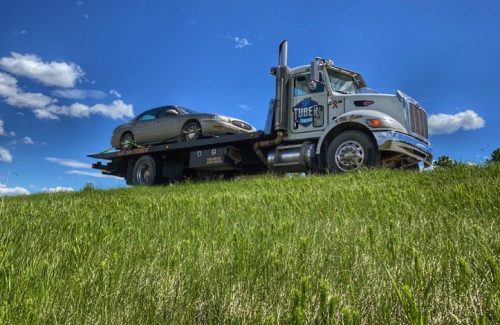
(146, 171)
(351, 150)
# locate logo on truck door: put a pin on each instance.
(308, 112)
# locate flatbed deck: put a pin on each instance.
(236, 139)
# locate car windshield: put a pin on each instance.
(185, 110)
(342, 83)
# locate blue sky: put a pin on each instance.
(70, 71)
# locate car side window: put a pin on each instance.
(300, 87)
(148, 116)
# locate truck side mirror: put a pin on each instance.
(314, 79)
(312, 84)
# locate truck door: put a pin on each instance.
(309, 110)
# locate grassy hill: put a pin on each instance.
(372, 247)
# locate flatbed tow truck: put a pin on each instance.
(321, 120)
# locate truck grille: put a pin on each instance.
(418, 121)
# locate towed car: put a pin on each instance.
(174, 123)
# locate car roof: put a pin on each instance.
(157, 108)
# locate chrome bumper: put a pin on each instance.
(405, 144)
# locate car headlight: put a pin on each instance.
(219, 118)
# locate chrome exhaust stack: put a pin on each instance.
(281, 98)
(282, 73)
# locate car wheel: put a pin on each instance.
(127, 141)
(147, 171)
(191, 131)
(351, 150)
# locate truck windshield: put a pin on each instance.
(342, 83)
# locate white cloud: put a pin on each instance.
(115, 93)
(45, 107)
(68, 162)
(57, 189)
(240, 42)
(448, 124)
(76, 93)
(2, 129)
(244, 107)
(43, 114)
(53, 112)
(116, 110)
(91, 174)
(15, 96)
(7, 191)
(5, 155)
(86, 16)
(60, 74)
(20, 32)
(28, 140)
(79, 3)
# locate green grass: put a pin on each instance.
(368, 247)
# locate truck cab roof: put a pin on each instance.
(355, 75)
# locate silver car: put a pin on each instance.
(174, 123)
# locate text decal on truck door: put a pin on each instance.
(308, 112)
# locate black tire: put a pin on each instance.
(191, 131)
(351, 150)
(127, 141)
(146, 171)
(414, 167)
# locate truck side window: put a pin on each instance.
(300, 87)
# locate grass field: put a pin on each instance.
(368, 247)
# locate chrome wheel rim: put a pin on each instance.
(349, 155)
(126, 141)
(144, 174)
(192, 132)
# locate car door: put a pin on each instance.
(144, 127)
(168, 124)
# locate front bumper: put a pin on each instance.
(405, 144)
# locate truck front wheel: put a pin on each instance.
(351, 150)
(146, 171)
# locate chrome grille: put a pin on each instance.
(418, 121)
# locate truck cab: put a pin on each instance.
(327, 105)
